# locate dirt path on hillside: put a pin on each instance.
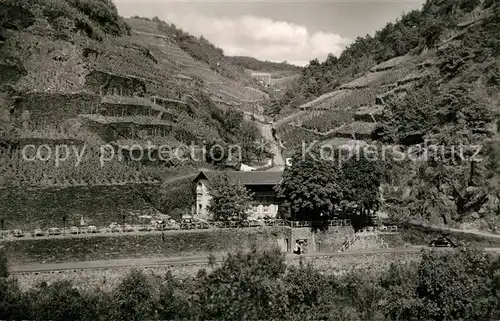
(179, 178)
(267, 133)
(179, 260)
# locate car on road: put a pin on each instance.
(92, 229)
(54, 231)
(442, 241)
(38, 232)
(73, 230)
(18, 233)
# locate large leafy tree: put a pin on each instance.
(454, 286)
(230, 199)
(247, 287)
(133, 299)
(311, 187)
(361, 178)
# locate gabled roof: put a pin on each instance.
(245, 178)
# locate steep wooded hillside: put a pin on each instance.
(431, 78)
(278, 68)
(419, 30)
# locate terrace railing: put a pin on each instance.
(318, 223)
(380, 229)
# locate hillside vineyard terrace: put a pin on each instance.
(60, 154)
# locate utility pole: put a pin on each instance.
(64, 225)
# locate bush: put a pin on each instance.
(4, 268)
(105, 14)
(58, 301)
(445, 285)
(133, 299)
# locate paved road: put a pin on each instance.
(450, 229)
(192, 260)
(181, 260)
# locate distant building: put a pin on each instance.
(263, 77)
(261, 184)
(246, 168)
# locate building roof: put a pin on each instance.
(245, 178)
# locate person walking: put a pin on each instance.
(298, 248)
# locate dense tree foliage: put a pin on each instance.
(443, 286)
(311, 186)
(236, 131)
(230, 199)
(322, 181)
(94, 18)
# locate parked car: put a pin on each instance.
(172, 225)
(128, 228)
(38, 232)
(145, 228)
(92, 229)
(73, 230)
(442, 241)
(18, 233)
(54, 231)
(114, 228)
(187, 224)
(159, 225)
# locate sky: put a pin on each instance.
(293, 31)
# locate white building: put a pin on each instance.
(261, 184)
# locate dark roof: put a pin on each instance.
(245, 178)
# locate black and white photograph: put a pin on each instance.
(248, 160)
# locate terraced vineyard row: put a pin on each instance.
(293, 138)
(220, 86)
(328, 120)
